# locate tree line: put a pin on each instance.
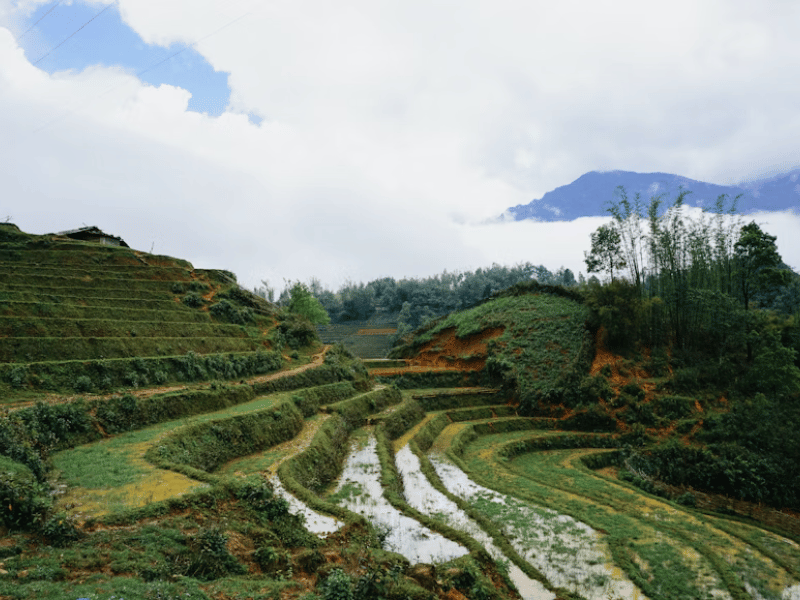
(687, 282)
(415, 301)
(717, 311)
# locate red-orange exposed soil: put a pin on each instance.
(446, 351)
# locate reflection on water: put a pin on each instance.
(360, 491)
(421, 495)
(316, 523)
(569, 553)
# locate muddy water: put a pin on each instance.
(569, 553)
(359, 489)
(420, 494)
(316, 523)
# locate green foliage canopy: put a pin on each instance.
(303, 303)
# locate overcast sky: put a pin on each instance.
(291, 139)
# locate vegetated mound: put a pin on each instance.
(527, 339)
(87, 316)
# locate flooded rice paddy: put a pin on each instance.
(569, 553)
(420, 494)
(359, 490)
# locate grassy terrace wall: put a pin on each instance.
(108, 374)
(83, 317)
(207, 446)
(311, 471)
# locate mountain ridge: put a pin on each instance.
(591, 192)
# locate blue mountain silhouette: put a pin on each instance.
(590, 194)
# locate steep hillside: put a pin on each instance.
(527, 339)
(86, 317)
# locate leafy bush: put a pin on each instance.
(296, 331)
(83, 384)
(24, 501)
(210, 558)
(674, 407)
(59, 530)
(193, 300)
(592, 419)
(337, 586)
(272, 560)
(225, 311)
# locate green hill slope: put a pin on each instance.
(87, 317)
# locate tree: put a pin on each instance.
(606, 253)
(757, 263)
(303, 303)
(628, 222)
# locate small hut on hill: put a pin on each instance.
(94, 234)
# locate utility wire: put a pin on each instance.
(39, 21)
(72, 34)
(192, 45)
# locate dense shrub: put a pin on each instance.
(296, 331)
(592, 419)
(401, 420)
(23, 499)
(226, 311)
(193, 300)
(210, 558)
(674, 407)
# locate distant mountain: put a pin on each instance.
(590, 194)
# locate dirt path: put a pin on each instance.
(316, 360)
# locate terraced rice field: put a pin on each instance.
(560, 529)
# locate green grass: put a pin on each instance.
(543, 338)
(102, 464)
(672, 544)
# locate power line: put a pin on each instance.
(192, 45)
(72, 34)
(38, 21)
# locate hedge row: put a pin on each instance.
(17, 272)
(311, 471)
(28, 435)
(437, 379)
(169, 312)
(445, 401)
(356, 410)
(393, 491)
(19, 292)
(207, 446)
(408, 414)
(558, 442)
(500, 540)
(41, 349)
(57, 327)
(107, 374)
(309, 400)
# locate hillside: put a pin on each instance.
(87, 317)
(492, 458)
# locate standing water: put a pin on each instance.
(360, 490)
(421, 495)
(568, 552)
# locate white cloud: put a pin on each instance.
(388, 128)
